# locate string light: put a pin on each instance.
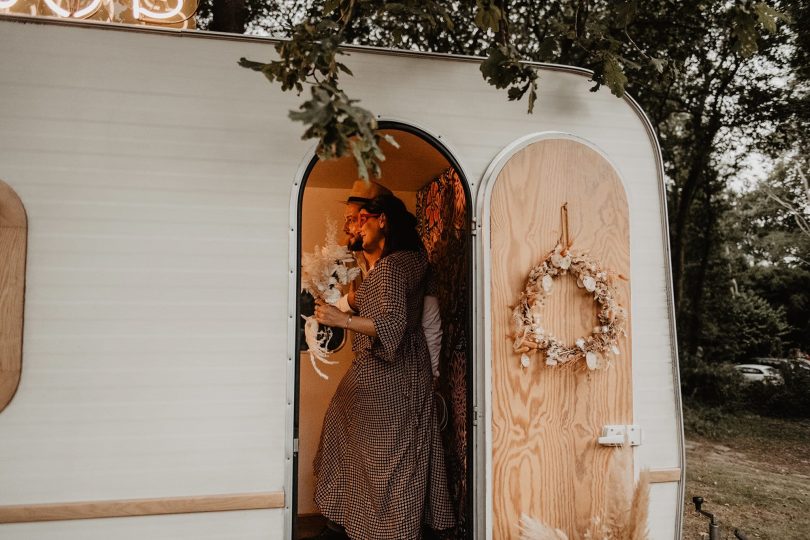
(158, 11)
(137, 11)
(84, 12)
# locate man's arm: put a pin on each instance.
(432, 326)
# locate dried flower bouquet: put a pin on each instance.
(324, 273)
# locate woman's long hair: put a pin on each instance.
(400, 230)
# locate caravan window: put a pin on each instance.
(13, 238)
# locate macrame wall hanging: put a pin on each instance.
(527, 317)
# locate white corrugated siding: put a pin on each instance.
(157, 176)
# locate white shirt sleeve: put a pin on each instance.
(343, 304)
(432, 326)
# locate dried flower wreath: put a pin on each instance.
(529, 334)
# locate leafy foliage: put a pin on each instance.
(501, 69)
(745, 20)
(791, 399)
(775, 217)
(713, 389)
(768, 250)
(749, 327)
(309, 57)
(717, 385)
(510, 33)
(720, 81)
(339, 124)
(786, 287)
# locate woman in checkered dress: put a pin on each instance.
(380, 469)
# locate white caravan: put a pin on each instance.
(155, 200)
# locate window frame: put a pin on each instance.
(14, 238)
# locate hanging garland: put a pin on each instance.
(529, 334)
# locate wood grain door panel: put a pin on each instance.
(545, 421)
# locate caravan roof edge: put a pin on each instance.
(197, 34)
(207, 34)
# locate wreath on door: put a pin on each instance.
(527, 317)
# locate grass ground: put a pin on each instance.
(753, 472)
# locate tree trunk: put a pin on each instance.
(695, 328)
(703, 141)
(685, 200)
(229, 16)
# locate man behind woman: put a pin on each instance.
(379, 468)
(361, 193)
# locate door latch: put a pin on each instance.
(616, 435)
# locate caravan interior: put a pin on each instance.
(422, 173)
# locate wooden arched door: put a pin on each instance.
(545, 458)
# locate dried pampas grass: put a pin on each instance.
(531, 529)
(639, 509)
(626, 508)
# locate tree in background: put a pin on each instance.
(774, 246)
(761, 240)
(596, 35)
(719, 81)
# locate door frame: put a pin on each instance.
(309, 160)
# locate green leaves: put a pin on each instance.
(488, 15)
(341, 128)
(599, 36)
(745, 32)
(547, 49)
(611, 73)
(746, 17)
(309, 57)
(310, 53)
(768, 16)
(625, 13)
(503, 69)
(658, 64)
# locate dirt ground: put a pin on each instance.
(754, 476)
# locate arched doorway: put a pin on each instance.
(426, 176)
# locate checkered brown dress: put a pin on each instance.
(380, 468)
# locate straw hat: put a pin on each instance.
(363, 191)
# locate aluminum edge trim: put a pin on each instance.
(292, 334)
(645, 120)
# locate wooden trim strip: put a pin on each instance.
(26, 513)
(661, 476)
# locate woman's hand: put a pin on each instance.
(330, 315)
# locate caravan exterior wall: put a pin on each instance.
(160, 182)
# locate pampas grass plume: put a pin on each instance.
(532, 529)
(626, 509)
(639, 509)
